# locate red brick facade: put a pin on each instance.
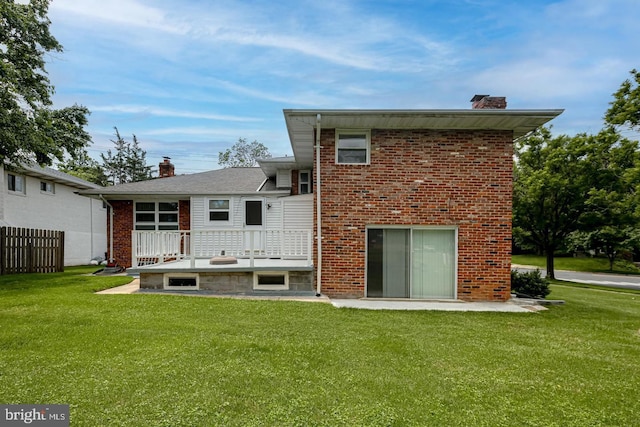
(421, 178)
(123, 226)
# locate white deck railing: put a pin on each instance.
(153, 247)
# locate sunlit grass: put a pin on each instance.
(594, 265)
(159, 360)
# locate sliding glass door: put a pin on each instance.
(411, 263)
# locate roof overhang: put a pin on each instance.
(302, 123)
(272, 165)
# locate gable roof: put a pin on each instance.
(221, 181)
(301, 123)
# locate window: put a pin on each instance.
(156, 216)
(271, 280)
(181, 281)
(46, 187)
(352, 147)
(304, 182)
(15, 183)
(219, 209)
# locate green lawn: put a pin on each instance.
(160, 360)
(594, 265)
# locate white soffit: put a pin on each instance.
(301, 123)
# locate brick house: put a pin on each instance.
(390, 204)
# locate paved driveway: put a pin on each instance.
(603, 279)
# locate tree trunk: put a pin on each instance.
(551, 273)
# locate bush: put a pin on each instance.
(529, 284)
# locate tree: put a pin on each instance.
(585, 183)
(127, 164)
(243, 154)
(30, 130)
(548, 191)
(625, 107)
(81, 165)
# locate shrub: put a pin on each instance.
(529, 284)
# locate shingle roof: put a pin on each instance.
(221, 181)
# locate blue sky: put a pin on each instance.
(190, 77)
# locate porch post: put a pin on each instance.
(192, 248)
(251, 242)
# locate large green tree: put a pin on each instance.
(81, 165)
(243, 154)
(548, 191)
(127, 163)
(625, 107)
(30, 129)
(563, 185)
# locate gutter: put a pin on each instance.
(110, 228)
(318, 208)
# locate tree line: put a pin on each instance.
(582, 192)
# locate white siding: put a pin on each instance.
(274, 214)
(198, 214)
(283, 178)
(298, 212)
(83, 219)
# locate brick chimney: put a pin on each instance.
(166, 168)
(480, 102)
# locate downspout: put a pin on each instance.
(318, 208)
(110, 228)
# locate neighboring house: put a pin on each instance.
(398, 204)
(44, 198)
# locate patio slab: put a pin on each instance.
(512, 306)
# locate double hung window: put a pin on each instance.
(353, 147)
(219, 210)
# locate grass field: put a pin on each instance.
(160, 360)
(594, 265)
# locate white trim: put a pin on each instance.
(365, 132)
(167, 276)
(257, 274)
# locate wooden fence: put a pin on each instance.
(24, 250)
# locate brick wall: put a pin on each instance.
(453, 178)
(122, 226)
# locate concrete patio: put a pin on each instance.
(515, 305)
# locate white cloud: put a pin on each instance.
(156, 111)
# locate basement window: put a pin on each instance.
(271, 280)
(184, 281)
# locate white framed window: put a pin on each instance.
(16, 183)
(156, 216)
(271, 280)
(353, 147)
(304, 182)
(47, 187)
(181, 281)
(220, 210)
